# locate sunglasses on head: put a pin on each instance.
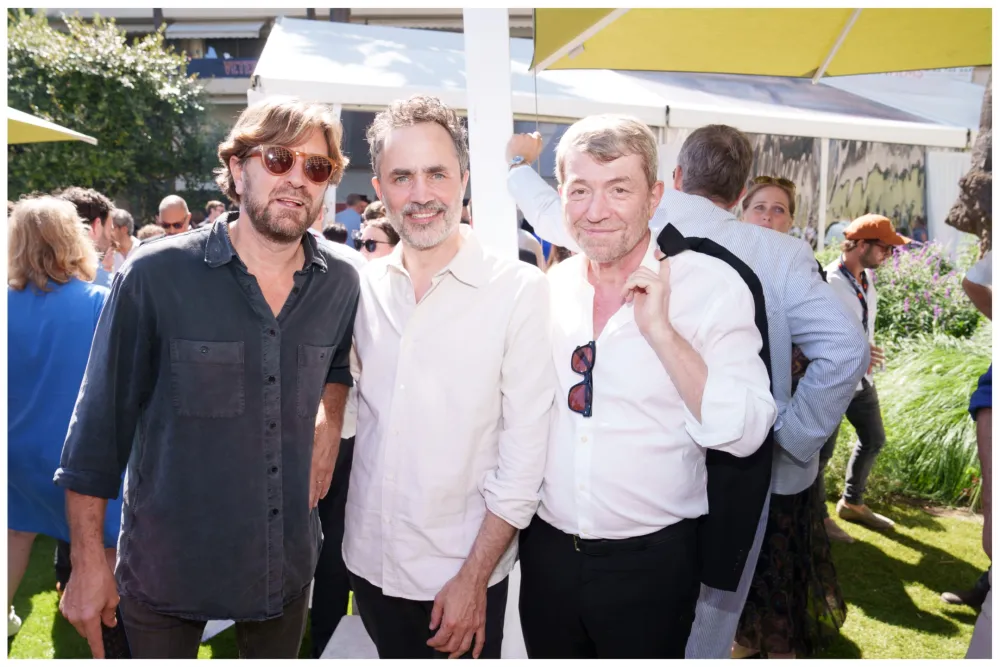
(371, 245)
(771, 180)
(581, 395)
(172, 225)
(279, 160)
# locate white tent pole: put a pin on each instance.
(824, 175)
(836, 46)
(578, 41)
(330, 198)
(491, 123)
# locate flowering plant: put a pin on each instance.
(920, 291)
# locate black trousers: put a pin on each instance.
(155, 635)
(631, 598)
(400, 628)
(331, 587)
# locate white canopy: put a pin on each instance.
(366, 67)
(216, 29)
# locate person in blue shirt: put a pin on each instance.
(350, 217)
(53, 309)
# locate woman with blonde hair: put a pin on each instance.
(795, 606)
(52, 309)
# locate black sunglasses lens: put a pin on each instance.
(582, 360)
(358, 243)
(581, 398)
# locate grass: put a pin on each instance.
(892, 583)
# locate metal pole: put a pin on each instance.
(824, 174)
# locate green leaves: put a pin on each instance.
(147, 114)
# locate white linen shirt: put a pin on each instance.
(981, 272)
(844, 288)
(455, 395)
(638, 464)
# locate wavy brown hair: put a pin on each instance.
(282, 122)
(413, 111)
(47, 241)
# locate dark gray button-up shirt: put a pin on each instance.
(211, 403)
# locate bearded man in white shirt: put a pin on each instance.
(656, 362)
(455, 392)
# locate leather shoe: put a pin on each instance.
(835, 532)
(863, 515)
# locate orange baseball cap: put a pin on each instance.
(874, 227)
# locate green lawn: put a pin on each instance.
(892, 584)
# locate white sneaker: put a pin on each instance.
(13, 623)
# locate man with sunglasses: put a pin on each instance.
(713, 168)
(174, 216)
(869, 241)
(218, 376)
(658, 362)
(454, 397)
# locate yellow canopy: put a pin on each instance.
(23, 128)
(773, 42)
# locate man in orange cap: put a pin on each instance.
(869, 241)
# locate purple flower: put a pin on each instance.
(906, 305)
(947, 293)
(935, 277)
(927, 296)
(937, 312)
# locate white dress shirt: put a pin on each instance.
(638, 464)
(981, 272)
(120, 258)
(846, 291)
(455, 396)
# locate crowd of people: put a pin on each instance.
(240, 414)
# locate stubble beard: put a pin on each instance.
(424, 237)
(297, 221)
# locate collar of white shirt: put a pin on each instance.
(467, 265)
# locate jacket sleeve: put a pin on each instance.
(834, 342)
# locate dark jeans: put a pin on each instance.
(631, 598)
(400, 628)
(115, 642)
(155, 635)
(865, 416)
(331, 587)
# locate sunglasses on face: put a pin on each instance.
(771, 180)
(172, 225)
(278, 161)
(581, 395)
(371, 245)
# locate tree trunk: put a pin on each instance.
(973, 212)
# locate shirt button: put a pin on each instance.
(274, 512)
(204, 350)
(322, 355)
(387, 519)
(295, 290)
(583, 439)
(274, 469)
(272, 332)
(402, 387)
(273, 425)
(270, 379)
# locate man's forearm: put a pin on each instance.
(86, 528)
(330, 418)
(981, 297)
(494, 537)
(686, 368)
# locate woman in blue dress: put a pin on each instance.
(52, 312)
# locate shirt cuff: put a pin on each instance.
(723, 413)
(340, 375)
(95, 484)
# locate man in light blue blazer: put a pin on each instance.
(713, 168)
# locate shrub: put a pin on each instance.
(920, 292)
(930, 450)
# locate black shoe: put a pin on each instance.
(971, 598)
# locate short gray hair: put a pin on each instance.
(715, 162)
(122, 218)
(607, 137)
(418, 109)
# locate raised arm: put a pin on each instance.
(834, 342)
(538, 201)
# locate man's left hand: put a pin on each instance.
(459, 616)
(650, 293)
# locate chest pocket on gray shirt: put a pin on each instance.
(313, 367)
(207, 378)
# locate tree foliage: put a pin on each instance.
(136, 98)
